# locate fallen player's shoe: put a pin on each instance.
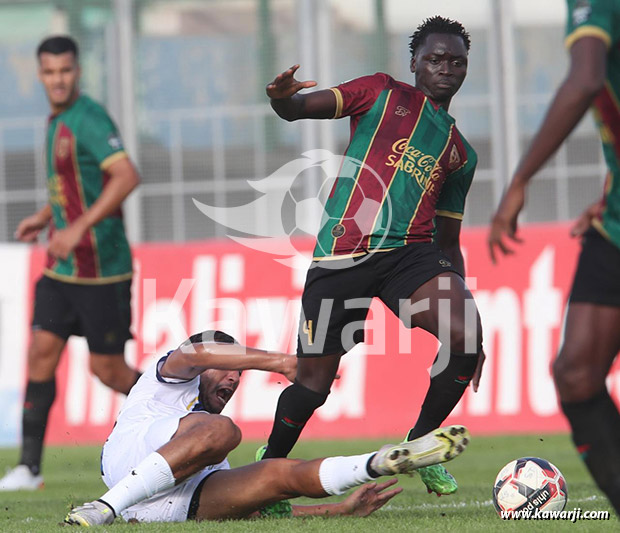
(438, 446)
(95, 513)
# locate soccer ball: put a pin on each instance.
(528, 484)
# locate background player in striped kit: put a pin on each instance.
(85, 287)
(592, 330)
(406, 251)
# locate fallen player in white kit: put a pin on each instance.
(165, 460)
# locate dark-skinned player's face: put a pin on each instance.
(216, 388)
(440, 66)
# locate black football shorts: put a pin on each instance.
(335, 300)
(101, 313)
(597, 279)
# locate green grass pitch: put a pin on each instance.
(71, 476)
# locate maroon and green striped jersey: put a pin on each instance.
(405, 164)
(82, 142)
(601, 19)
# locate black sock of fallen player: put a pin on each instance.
(444, 393)
(595, 425)
(37, 403)
(295, 407)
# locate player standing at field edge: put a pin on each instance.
(592, 330)
(410, 253)
(86, 283)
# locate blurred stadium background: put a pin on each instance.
(185, 81)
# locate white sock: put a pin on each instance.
(339, 474)
(151, 476)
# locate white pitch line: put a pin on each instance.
(461, 505)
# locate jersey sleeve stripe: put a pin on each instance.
(116, 156)
(50, 273)
(339, 102)
(587, 31)
(449, 214)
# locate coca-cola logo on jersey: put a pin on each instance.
(423, 167)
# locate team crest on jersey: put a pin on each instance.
(455, 158)
(401, 111)
(63, 147)
(338, 230)
(581, 12)
(115, 142)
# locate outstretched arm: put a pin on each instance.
(585, 80)
(363, 501)
(187, 362)
(290, 105)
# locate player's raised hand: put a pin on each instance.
(475, 380)
(285, 85)
(370, 497)
(585, 219)
(504, 222)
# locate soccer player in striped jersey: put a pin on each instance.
(85, 286)
(408, 157)
(592, 330)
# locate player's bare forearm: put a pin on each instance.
(324, 509)
(188, 362)
(45, 213)
(318, 105)
(364, 501)
(28, 229)
(572, 100)
(288, 108)
(567, 109)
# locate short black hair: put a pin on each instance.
(437, 24)
(211, 336)
(58, 44)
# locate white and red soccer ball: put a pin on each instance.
(528, 484)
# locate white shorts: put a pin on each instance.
(127, 447)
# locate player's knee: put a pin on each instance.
(113, 372)
(303, 399)
(215, 436)
(576, 379)
(38, 353)
(232, 434)
(465, 338)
